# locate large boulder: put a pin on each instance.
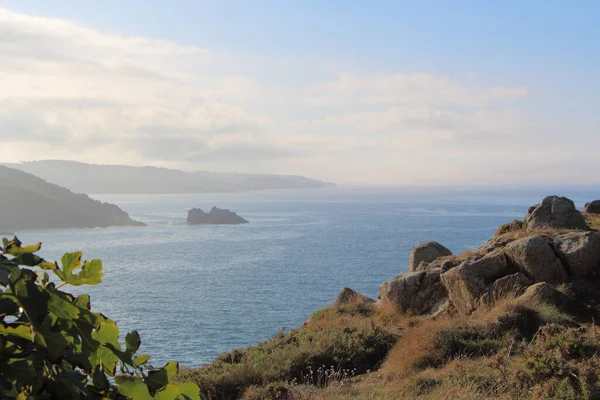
(508, 286)
(426, 252)
(415, 292)
(468, 282)
(555, 212)
(543, 292)
(216, 216)
(592, 207)
(579, 252)
(534, 256)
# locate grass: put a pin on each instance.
(361, 351)
(336, 344)
(593, 220)
(514, 226)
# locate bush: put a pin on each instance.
(562, 363)
(52, 346)
(304, 356)
(469, 341)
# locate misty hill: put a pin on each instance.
(28, 202)
(111, 179)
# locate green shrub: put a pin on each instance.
(52, 346)
(466, 341)
(303, 356)
(562, 363)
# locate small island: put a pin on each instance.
(216, 216)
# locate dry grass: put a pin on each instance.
(593, 220)
(334, 345)
(480, 356)
(462, 256)
(514, 226)
(545, 232)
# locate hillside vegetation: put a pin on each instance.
(496, 330)
(29, 202)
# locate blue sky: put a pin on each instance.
(547, 48)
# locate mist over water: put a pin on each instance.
(195, 291)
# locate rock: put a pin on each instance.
(509, 285)
(468, 282)
(534, 256)
(449, 264)
(543, 292)
(592, 207)
(427, 266)
(216, 216)
(579, 252)
(555, 212)
(348, 296)
(496, 243)
(415, 292)
(426, 252)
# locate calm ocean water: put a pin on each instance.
(195, 291)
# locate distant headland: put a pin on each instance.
(29, 202)
(122, 179)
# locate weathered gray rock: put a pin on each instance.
(508, 286)
(449, 264)
(348, 296)
(534, 256)
(468, 282)
(427, 266)
(592, 207)
(579, 252)
(426, 252)
(543, 292)
(555, 212)
(415, 292)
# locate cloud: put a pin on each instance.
(73, 92)
(412, 89)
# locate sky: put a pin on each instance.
(353, 92)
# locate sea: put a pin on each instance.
(195, 291)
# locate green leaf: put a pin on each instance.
(132, 387)
(54, 342)
(182, 391)
(107, 336)
(141, 360)
(90, 274)
(5, 271)
(8, 306)
(28, 260)
(160, 378)
(61, 307)
(99, 380)
(83, 301)
(16, 329)
(132, 343)
(14, 248)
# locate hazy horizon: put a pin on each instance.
(385, 94)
